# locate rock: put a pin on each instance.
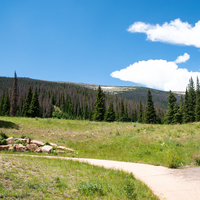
(20, 148)
(38, 150)
(38, 142)
(10, 140)
(64, 148)
(11, 147)
(4, 147)
(33, 148)
(22, 140)
(28, 141)
(53, 144)
(47, 149)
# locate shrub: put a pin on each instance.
(173, 159)
(18, 142)
(92, 188)
(23, 136)
(3, 138)
(129, 187)
(3, 135)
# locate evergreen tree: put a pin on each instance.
(99, 106)
(13, 107)
(110, 113)
(140, 114)
(186, 115)
(133, 116)
(6, 105)
(122, 112)
(1, 104)
(34, 106)
(171, 111)
(150, 114)
(197, 108)
(86, 111)
(26, 106)
(191, 100)
(178, 114)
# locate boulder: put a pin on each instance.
(64, 148)
(10, 140)
(22, 140)
(20, 148)
(47, 149)
(33, 148)
(53, 144)
(38, 150)
(38, 142)
(4, 147)
(11, 147)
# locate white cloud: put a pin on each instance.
(175, 32)
(159, 74)
(182, 59)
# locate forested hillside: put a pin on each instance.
(64, 100)
(136, 93)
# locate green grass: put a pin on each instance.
(167, 145)
(43, 178)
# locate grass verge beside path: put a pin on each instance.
(166, 145)
(42, 178)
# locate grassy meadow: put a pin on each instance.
(166, 145)
(43, 178)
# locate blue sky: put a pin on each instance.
(92, 41)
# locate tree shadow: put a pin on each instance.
(7, 124)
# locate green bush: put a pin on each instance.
(3, 135)
(129, 188)
(173, 159)
(3, 138)
(46, 143)
(92, 188)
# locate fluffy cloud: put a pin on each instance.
(159, 74)
(182, 59)
(175, 32)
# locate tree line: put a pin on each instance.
(35, 98)
(189, 108)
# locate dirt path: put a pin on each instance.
(171, 184)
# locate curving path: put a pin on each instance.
(166, 183)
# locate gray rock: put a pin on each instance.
(10, 140)
(53, 144)
(47, 149)
(4, 147)
(33, 148)
(64, 148)
(38, 142)
(20, 148)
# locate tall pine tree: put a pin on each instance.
(186, 113)
(13, 106)
(197, 108)
(169, 118)
(34, 106)
(110, 113)
(99, 106)
(6, 105)
(191, 100)
(150, 114)
(26, 106)
(140, 114)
